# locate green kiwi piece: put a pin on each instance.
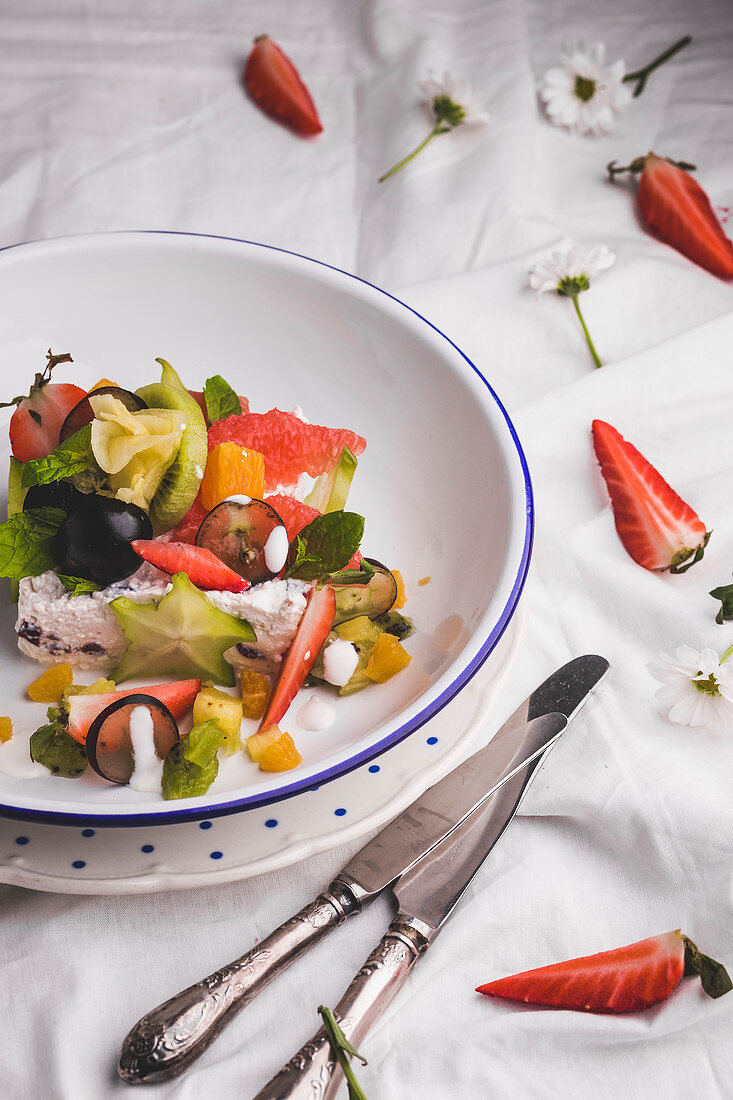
(181, 481)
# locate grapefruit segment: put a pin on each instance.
(289, 445)
(177, 696)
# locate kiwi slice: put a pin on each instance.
(181, 481)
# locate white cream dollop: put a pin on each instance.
(276, 548)
(148, 771)
(316, 714)
(238, 498)
(339, 661)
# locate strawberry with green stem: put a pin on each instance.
(35, 425)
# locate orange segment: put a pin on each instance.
(232, 470)
(387, 658)
(51, 684)
(255, 689)
(6, 729)
(102, 382)
(280, 756)
(401, 599)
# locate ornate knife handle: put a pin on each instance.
(313, 1074)
(165, 1041)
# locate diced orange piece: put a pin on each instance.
(259, 742)
(6, 729)
(51, 684)
(255, 688)
(231, 470)
(388, 657)
(281, 755)
(401, 596)
(102, 382)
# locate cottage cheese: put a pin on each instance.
(54, 626)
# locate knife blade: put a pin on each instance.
(167, 1039)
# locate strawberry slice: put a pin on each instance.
(201, 566)
(35, 425)
(658, 530)
(312, 632)
(274, 84)
(674, 206)
(178, 696)
(627, 979)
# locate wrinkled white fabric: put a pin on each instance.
(131, 115)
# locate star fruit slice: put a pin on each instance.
(183, 636)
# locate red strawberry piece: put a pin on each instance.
(274, 84)
(674, 206)
(83, 709)
(658, 530)
(35, 425)
(312, 632)
(289, 445)
(296, 515)
(627, 979)
(201, 566)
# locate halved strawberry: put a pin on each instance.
(36, 423)
(299, 660)
(674, 206)
(275, 85)
(201, 566)
(626, 979)
(178, 696)
(656, 527)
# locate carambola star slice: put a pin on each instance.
(183, 635)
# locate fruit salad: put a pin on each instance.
(163, 540)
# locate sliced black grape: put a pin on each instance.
(82, 413)
(238, 533)
(109, 745)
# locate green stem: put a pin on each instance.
(437, 129)
(727, 654)
(593, 351)
(641, 75)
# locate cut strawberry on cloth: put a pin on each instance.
(658, 530)
(289, 445)
(675, 208)
(275, 85)
(627, 979)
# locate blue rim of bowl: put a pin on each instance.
(255, 801)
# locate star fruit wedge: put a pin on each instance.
(182, 636)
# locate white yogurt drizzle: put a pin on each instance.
(276, 548)
(238, 498)
(339, 661)
(148, 771)
(316, 714)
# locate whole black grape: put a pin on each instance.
(94, 540)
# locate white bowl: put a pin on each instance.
(443, 483)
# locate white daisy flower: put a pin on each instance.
(583, 93)
(569, 273)
(452, 103)
(697, 688)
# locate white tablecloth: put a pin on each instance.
(131, 115)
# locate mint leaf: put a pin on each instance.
(349, 577)
(221, 400)
(55, 748)
(324, 546)
(27, 542)
(725, 594)
(78, 586)
(73, 456)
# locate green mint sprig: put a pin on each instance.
(221, 400)
(71, 457)
(27, 542)
(342, 1049)
(348, 577)
(324, 546)
(78, 586)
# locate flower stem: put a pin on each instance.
(727, 654)
(437, 129)
(593, 351)
(642, 75)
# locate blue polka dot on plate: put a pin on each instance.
(340, 812)
(204, 824)
(87, 832)
(148, 848)
(271, 823)
(432, 741)
(78, 864)
(374, 768)
(21, 840)
(216, 855)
